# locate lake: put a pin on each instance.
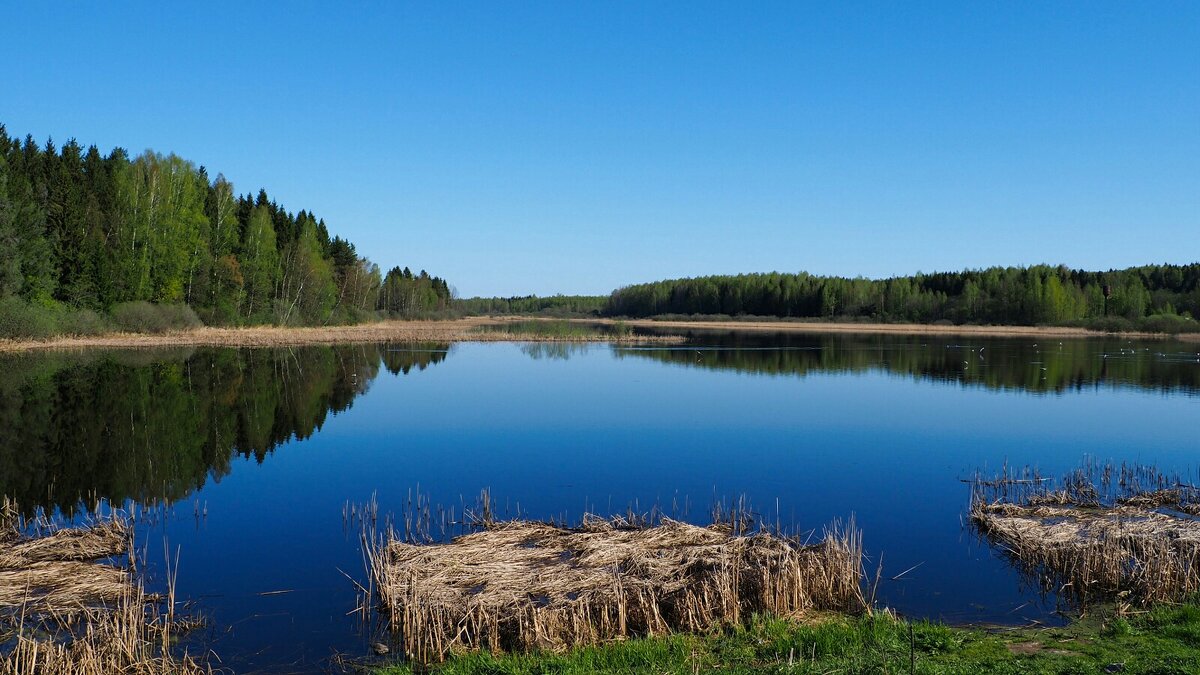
(242, 461)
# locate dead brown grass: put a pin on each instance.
(124, 638)
(1133, 540)
(64, 610)
(55, 572)
(457, 330)
(467, 329)
(523, 585)
(1125, 552)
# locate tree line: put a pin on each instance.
(83, 233)
(1150, 295)
(554, 305)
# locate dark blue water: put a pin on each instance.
(811, 429)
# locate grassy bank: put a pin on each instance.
(1164, 640)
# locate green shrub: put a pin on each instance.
(143, 317)
(1168, 323)
(1110, 324)
(180, 317)
(137, 317)
(21, 320)
(82, 322)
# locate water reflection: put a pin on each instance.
(1031, 365)
(566, 428)
(159, 424)
(156, 425)
(554, 350)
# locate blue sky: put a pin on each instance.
(574, 147)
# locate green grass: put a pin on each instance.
(1163, 641)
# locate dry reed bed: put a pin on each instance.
(1133, 539)
(123, 638)
(456, 330)
(64, 611)
(55, 572)
(521, 585)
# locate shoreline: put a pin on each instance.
(260, 336)
(443, 330)
(819, 642)
(467, 330)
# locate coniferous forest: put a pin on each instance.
(97, 241)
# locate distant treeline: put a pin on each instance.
(555, 305)
(83, 233)
(1153, 296)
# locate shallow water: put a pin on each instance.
(255, 453)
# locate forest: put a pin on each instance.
(97, 241)
(1154, 297)
(553, 305)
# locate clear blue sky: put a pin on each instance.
(575, 147)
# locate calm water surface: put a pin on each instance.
(256, 452)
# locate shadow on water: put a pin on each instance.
(1029, 365)
(157, 425)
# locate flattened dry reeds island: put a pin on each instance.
(69, 606)
(1126, 534)
(524, 586)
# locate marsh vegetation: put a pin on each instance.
(523, 585)
(1122, 534)
(68, 606)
